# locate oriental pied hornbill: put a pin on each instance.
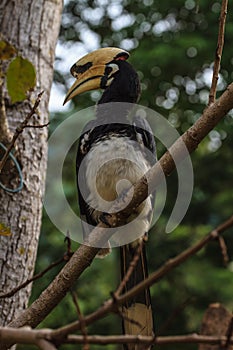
(109, 133)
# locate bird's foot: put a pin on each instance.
(103, 217)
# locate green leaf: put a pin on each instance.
(7, 51)
(21, 77)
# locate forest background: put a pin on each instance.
(172, 46)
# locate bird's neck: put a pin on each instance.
(113, 112)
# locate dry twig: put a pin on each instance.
(30, 280)
(172, 263)
(19, 130)
(130, 270)
(37, 126)
(219, 49)
(147, 340)
(223, 248)
(82, 321)
(65, 258)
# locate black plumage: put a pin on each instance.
(116, 145)
(125, 87)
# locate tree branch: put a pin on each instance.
(45, 345)
(42, 338)
(65, 258)
(130, 270)
(26, 335)
(19, 130)
(83, 257)
(146, 340)
(219, 49)
(32, 279)
(8, 336)
(174, 262)
(112, 305)
(82, 321)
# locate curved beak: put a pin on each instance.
(90, 71)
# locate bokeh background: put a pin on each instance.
(172, 46)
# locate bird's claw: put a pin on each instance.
(104, 218)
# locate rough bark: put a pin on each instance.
(32, 27)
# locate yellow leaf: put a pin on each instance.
(4, 230)
(7, 51)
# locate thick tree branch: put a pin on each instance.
(26, 335)
(83, 257)
(42, 338)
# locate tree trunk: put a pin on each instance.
(32, 27)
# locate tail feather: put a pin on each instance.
(137, 312)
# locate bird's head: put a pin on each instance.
(105, 69)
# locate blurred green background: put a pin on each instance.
(172, 46)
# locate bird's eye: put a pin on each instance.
(111, 69)
(107, 78)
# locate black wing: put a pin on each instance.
(84, 208)
(143, 129)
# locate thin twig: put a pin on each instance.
(65, 258)
(67, 240)
(148, 340)
(82, 321)
(173, 316)
(223, 248)
(130, 270)
(174, 262)
(219, 49)
(32, 279)
(37, 126)
(19, 130)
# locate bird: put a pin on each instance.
(113, 154)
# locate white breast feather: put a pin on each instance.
(112, 166)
